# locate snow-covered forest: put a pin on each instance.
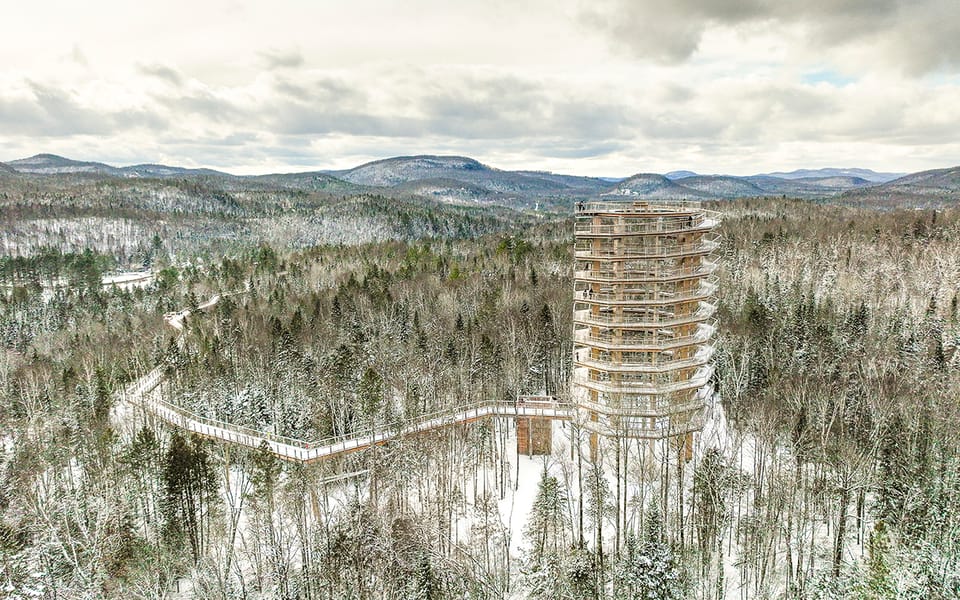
(828, 468)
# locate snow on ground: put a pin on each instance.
(524, 474)
(127, 280)
(7, 445)
(516, 506)
(646, 463)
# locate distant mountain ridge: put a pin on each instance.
(933, 188)
(455, 179)
(464, 180)
(718, 187)
(653, 186)
(722, 185)
(401, 169)
(405, 169)
(865, 174)
(52, 164)
(803, 183)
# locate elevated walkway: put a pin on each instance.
(145, 394)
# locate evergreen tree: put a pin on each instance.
(544, 528)
(188, 489)
(878, 584)
(101, 398)
(647, 570)
(425, 582)
(597, 504)
(370, 394)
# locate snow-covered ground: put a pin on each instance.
(647, 466)
(128, 280)
(124, 280)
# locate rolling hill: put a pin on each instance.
(401, 169)
(685, 184)
(51, 164)
(121, 215)
(449, 190)
(808, 187)
(151, 170)
(722, 186)
(865, 174)
(936, 187)
(654, 186)
(518, 184)
(463, 180)
(454, 179)
(835, 181)
(313, 181)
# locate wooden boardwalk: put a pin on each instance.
(145, 393)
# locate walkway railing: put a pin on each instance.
(143, 392)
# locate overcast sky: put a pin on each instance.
(599, 87)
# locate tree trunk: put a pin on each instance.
(841, 529)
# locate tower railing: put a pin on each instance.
(706, 289)
(648, 318)
(626, 364)
(703, 334)
(699, 379)
(702, 246)
(617, 264)
(644, 207)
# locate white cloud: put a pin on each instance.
(609, 88)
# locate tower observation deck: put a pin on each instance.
(643, 316)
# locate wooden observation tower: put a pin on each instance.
(643, 317)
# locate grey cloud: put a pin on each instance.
(674, 93)
(563, 149)
(212, 152)
(678, 125)
(293, 90)
(299, 119)
(637, 29)
(301, 142)
(928, 40)
(505, 107)
(161, 72)
(281, 59)
(773, 111)
(470, 107)
(201, 103)
(466, 115)
(55, 112)
(914, 36)
(230, 142)
(320, 90)
(324, 107)
(595, 120)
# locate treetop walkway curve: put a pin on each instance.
(145, 394)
